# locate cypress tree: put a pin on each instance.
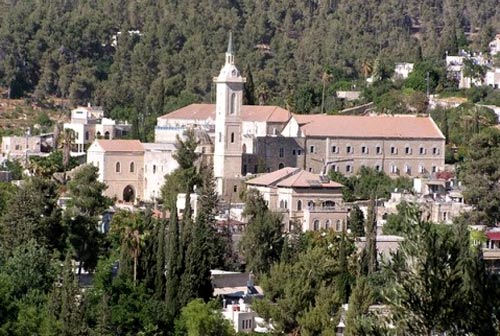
(343, 281)
(70, 314)
(174, 265)
(368, 259)
(371, 237)
(160, 266)
(249, 88)
(200, 248)
(357, 222)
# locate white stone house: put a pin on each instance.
(88, 123)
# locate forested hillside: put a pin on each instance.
(64, 47)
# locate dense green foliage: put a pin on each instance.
(480, 175)
(436, 273)
(298, 52)
(303, 296)
(369, 183)
(263, 240)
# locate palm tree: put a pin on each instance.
(263, 94)
(66, 141)
(130, 227)
(366, 67)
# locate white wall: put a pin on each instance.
(157, 164)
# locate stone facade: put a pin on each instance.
(396, 157)
(20, 147)
(88, 124)
(304, 199)
(158, 162)
(121, 168)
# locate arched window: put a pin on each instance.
(327, 224)
(316, 225)
(87, 135)
(310, 204)
(118, 167)
(106, 135)
(154, 169)
(299, 205)
(281, 166)
(220, 137)
(233, 103)
(282, 204)
(338, 225)
(329, 204)
(244, 148)
(286, 204)
(132, 167)
(232, 137)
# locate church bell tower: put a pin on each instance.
(228, 150)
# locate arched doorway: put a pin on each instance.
(106, 135)
(128, 194)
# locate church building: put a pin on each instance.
(243, 140)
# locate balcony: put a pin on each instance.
(491, 254)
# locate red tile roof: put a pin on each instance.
(293, 178)
(303, 179)
(404, 126)
(120, 145)
(248, 113)
(275, 176)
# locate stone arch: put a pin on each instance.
(233, 103)
(281, 165)
(316, 225)
(328, 224)
(329, 204)
(106, 135)
(128, 194)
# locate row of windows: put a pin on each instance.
(118, 168)
(232, 138)
(394, 169)
(310, 204)
(378, 150)
(297, 152)
(327, 225)
(246, 324)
